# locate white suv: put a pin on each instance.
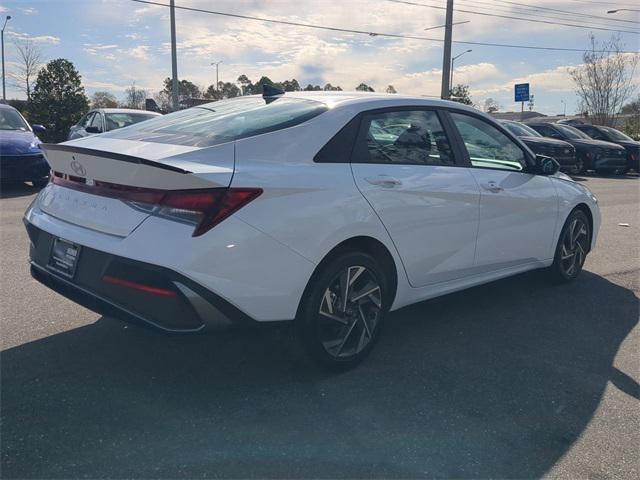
(327, 209)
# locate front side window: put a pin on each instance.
(488, 147)
(593, 133)
(546, 131)
(96, 121)
(406, 137)
(223, 121)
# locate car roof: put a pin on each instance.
(6, 106)
(123, 110)
(364, 100)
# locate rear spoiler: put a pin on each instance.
(46, 147)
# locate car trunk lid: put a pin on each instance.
(130, 164)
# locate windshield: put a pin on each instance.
(120, 120)
(572, 133)
(12, 120)
(521, 130)
(616, 134)
(223, 121)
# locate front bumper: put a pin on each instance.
(191, 307)
(23, 168)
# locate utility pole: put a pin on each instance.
(446, 60)
(4, 91)
(174, 57)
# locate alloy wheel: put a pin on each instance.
(574, 247)
(350, 312)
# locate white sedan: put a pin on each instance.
(325, 209)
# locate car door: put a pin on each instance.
(404, 165)
(518, 209)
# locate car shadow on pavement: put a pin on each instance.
(497, 381)
(13, 190)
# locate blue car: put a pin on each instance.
(21, 159)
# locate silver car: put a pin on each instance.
(102, 120)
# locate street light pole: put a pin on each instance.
(453, 60)
(217, 64)
(4, 91)
(446, 60)
(174, 56)
(564, 114)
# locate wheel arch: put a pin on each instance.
(587, 211)
(364, 244)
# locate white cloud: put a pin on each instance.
(141, 52)
(42, 39)
(29, 11)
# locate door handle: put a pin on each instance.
(492, 187)
(384, 181)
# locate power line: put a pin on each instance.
(511, 18)
(363, 32)
(604, 3)
(534, 16)
(564, 12)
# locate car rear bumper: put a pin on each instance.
(23, 168)
(160, 297)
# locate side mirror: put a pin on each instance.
(37, 128)
(546, 165)
(93, 130)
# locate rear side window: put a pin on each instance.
(403, 137)
(223, 121)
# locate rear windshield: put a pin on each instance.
(223, 121)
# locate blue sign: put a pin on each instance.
(522, 92)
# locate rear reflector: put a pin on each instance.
(203, 207)
(121, 282)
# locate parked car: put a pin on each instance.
(612, 135)
(603, 157)
(328, 209)
(106, 119)
(21, 159)
(564, 153)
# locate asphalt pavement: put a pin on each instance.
(515, 379)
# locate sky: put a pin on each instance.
(114, 43)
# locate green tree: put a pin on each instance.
(245, 85)
(58, 99)
(186, 89)
(330, 88)
(291, 85)
(363, 87)
(224, 90)
(312, 88)
(391, 89)
(103, 100)
(460, 94)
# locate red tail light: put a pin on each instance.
(204, 207)
(121, 282)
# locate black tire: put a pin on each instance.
(573, 246)
(355, 331)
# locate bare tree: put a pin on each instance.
(29, 63)
(134, 97)
(604, 80)
(491, 106)
(103, 100)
